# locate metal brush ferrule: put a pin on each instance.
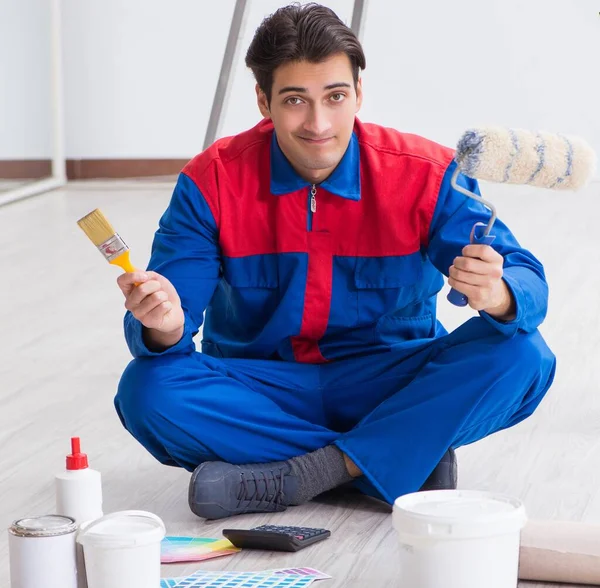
(113, 247)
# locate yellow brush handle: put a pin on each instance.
(123, 261)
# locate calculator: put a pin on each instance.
(275, 537)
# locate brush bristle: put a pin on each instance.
(96, 227)
(517, 156)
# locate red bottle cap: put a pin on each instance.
(77, 460)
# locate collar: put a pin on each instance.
(344, 181)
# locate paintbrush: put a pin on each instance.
(106, 239)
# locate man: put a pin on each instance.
(316, 245)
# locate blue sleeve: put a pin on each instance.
(185, 250)
(453, 219)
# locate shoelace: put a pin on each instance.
(263, 500)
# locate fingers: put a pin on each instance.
(140, 299)
(476, 295)
(471, 279)
(478, 275)
(471, 265)
(152, 299)
(154, 307)
(483, 252)
(142, 291)
(127, 282)
(475, 272)
(480, 266)
(156, 317)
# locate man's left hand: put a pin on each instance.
(478, 275)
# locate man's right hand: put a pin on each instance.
(153, 300)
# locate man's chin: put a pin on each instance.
(321, 163)
(318, 169)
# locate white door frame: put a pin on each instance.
(58, 177)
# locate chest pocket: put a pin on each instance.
(386, 284)
(254, 271)
(251, 287)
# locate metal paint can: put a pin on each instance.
(42, 552)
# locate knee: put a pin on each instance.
(142, 391)
(531, 353)
(523, 360)
(529, 364)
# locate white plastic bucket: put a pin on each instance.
(122, 550)
(458, 539)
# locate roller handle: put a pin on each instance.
(478, 237)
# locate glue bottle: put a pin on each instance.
(79, 488)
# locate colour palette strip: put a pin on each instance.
(284, 578)
(187, 549)
(244, 580)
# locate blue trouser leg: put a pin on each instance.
(465, 386)
(187, 409)
(394, 414)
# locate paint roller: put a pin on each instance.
(517, 156)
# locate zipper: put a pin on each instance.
(312, 205)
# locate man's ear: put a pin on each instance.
(359, 94)
(261, 100)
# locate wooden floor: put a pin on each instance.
(6, 185)
(63, 351)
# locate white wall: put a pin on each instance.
(241, 111)
(25, 82)
(436, 68)
(140, 75)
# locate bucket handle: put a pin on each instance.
(135, 513)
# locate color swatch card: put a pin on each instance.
(244, 580)
(316, 575)
(185, 549)
(285, 578)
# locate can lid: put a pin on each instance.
(129, 528)
(458, 514)
(43, 526)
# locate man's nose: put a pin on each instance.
(317, 122)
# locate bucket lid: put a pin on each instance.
(128, 528)
(458, 514)
(43, 526)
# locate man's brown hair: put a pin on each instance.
(296, 32)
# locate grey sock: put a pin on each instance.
(318, 472)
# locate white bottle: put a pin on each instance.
(79, 488)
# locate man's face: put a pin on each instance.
(312, 108)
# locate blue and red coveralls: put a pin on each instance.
(321, 326)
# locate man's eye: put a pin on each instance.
(338, 97)
(293, 100)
